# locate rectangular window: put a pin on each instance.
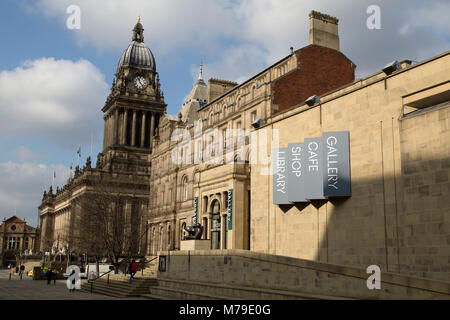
(253, 116)
(224, 137)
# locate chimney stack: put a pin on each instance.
(323, 30)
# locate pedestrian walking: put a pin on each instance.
(133, 269)
(22, 269)
(48, 275)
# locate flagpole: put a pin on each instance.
(92, 137)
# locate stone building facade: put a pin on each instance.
(192, 168)
(397, 216)
(177, 186)
(131, 115)
(16, 237)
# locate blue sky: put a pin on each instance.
(54, 81)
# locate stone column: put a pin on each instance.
(152, 128)
(133, 130)
(116, 126)
(120, 137)
(125, 127)
(143, 129)
(209, 235)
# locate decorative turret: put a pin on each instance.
(138, 31)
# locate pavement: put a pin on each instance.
(28, 289)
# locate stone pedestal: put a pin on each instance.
(186, 245)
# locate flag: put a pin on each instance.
(54, 174)
(79, 151)
(71, 165)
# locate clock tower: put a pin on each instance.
(132, 109)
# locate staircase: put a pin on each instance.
(119, 286)
(190, 290)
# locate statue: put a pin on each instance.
(193, 232)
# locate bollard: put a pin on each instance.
(108, 279)
(10, 276)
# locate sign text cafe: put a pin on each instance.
(318, 168)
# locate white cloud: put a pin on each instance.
(55, 99)
(240, 37)
(22, 185)
(24, 154)
(168, 24)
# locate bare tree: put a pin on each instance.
(108, 222)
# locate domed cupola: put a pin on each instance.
(137, 55)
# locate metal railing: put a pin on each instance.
(91, 281)
(144, 264)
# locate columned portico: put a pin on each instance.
(125, 126)
(152, 128)
(144, 116)
(133, 129)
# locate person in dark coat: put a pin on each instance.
(48, 275)
(54, 274)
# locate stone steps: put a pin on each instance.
(178, 294)
(120, 288)
(181, 289)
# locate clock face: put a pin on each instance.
(140, 82)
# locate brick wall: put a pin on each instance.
(320, 70)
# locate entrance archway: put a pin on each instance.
(215, 224)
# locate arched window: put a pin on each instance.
(205, 204)
(185, 188)
(215, 207)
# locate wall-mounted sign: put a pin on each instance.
(230, 209)
(296, 157)
(280, 187)
(336, 179)
(195, 211)
(316, 169)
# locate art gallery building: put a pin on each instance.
(364, 178)
(395, 210)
